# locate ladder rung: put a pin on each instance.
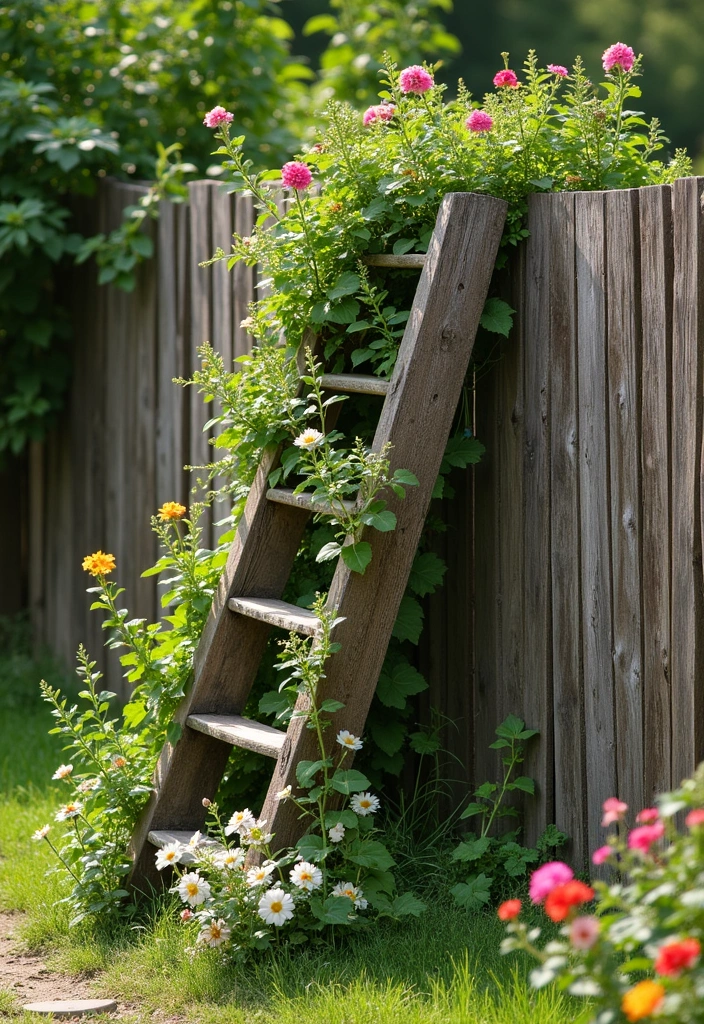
(284, 496)
(165, 837)
(356, 383)
(382, 259)
(240, 732)
(276, 613)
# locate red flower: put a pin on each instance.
(508, 910)
(560, 901)
(676, 956)
(506, 78)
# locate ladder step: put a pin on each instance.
(165, 837)
(355, 383)
(284, 496)
(276, 613)
(410, 260)
(240, 732)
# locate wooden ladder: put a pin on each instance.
(416, 418)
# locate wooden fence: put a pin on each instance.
(574, 592)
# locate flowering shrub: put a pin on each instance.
(243, 894)
(632, 945)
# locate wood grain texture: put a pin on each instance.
(242, 278)
(201, 328)
(595, 542)
(568, 684)
(687, 622)
(624, 398)
(355, 383)
(240, 732)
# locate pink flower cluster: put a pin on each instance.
(506, 79)
(217, 116)
(618, 56)
(415, 79)
(643, 838)
(379, 112)
(557, 69)
(479, 121)
(296, 175)
(547, 878)
(614, 809)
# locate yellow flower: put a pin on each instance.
(99, 564)
(641, 1000)
(171, 510)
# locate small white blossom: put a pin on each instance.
(349, 740)
(240, 820)
(337, 833)
(352, 892)
(260, 875)
(70, 810)
(168, 856)
(214, 933)
(63, 771)
(284, 794)
(256, 835)
(306, 876)
(309, 439)
(193, 889)
(88, 785)
(230, 859)
(195, 841)
(276, 907)
(42, 832)
(364, 803)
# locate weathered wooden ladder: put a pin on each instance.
(416, 418)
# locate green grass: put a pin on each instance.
(444, 967)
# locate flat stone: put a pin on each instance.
(72, 1007)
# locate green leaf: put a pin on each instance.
(472, 809)
(409, 621)
(407, 904)
(331, 706)
(346, 818)
(384, 522)
(472, 850)
(399, 682)
(369, 853)
(511, 727)
(312, 848)
(346, 284)
(306, 772)
(173, 733)
(330, 550)
(274, 703)
(403, 245)
(344, 312)
(497, 317)
(388, 735)
(335, 909)
(426, 573)
(424, 742)
(460, 452)
(404, 476)
(357, 556)
(473, 894)
(525, 784)
(350, 781)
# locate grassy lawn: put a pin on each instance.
(443, 967)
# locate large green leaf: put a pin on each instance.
(350, 781)
(426, 573)
(399, 682)
(409, 621)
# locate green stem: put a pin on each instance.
(308, 240)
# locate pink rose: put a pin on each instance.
(415, 79)
(642, 838)
(602, 854)
(618, 56)
(505, 78)
(379, 112)
(547, 878)
(614, 809)
(695, 818)
(217, 116)
(296, 175)
(647, 816)
(479, 121)
(557, 69)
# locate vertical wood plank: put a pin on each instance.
(594, 505)
(568, 684)
(201, 331)
(242, 278)
(624, 344)
(656, 316)
(537, 640)
(222, 227)
(687, 623)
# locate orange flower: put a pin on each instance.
(641, 1000)
(99, 564)
(508, 910)
(562, 898)
(171, 510)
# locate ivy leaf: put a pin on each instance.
(346, 818)
(346, 782)
(426, 573)
(312, 848)
(424, 742)
(335, 910)
(357, 556)
(473, 894)
(388, 735)
(346, 284)
(497, 317)
(402, 681)
(369, 853)
(460, 452)
(409, 621)
(472, 850)
(407, 904)
(273, 703)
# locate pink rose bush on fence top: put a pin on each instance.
(632, 944)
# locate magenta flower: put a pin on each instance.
(584, 931)
(600, 855)
(642, 838)
(647, 816)
(547, 878)
(505, 78)
(618, 56)
(614, 809)
(217, 116)
(479, 121)
(296, 175)
(695, 818)
(557, 69)
(415, 79)
(379, 112)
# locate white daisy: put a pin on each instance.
(193, 889)
(352, 892)
(306, 876)
(276, 907)
(214, 933)
(63, 771)
(70, 810)
(337, 833)
(260, 875)
(284, 794)
(239, 820)
(364, 803)
(309, 439)
(195, 840)
(42, 832)
(88, 785)
(168, 856)
(230, 859)
(256, 835)
(349, 740)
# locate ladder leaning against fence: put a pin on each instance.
(416, 418)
